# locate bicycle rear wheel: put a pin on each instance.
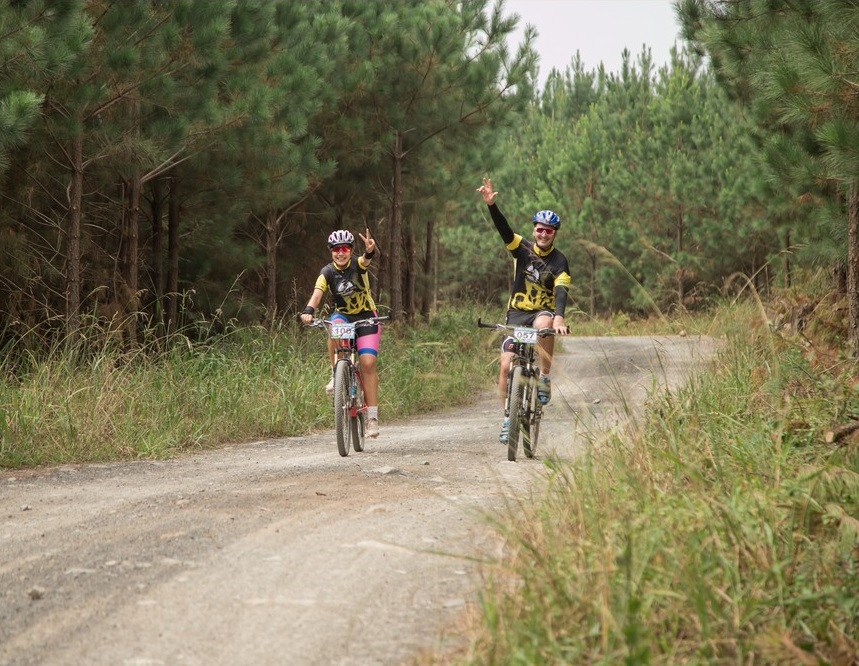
(358, 423)
(342, 427)
(517, 416)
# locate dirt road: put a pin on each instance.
(281, 551)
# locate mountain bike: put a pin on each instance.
(350, 408)
(521, 405)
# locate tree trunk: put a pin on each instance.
(132, 243)
(73, 244)
(383, 240)
(157, 250)
(272, 231)
(681, 228)
(132, 278)
(839, 278)
(172, 296)
(429, 262)
(853, 268)
(434, 307)
(786, 255)
(122, 251)
(396, 251)
(593, 284)
(411, 278)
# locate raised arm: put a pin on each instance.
(498, 219)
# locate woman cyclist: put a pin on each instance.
(347, 280)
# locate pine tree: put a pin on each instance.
(792, 62)
(36, 47)
(437, 71)
(39, 42)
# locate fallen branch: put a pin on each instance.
(839, 433)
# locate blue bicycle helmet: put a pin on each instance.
(547, 217)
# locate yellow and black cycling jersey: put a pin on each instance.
(349, 286)
(540, 279)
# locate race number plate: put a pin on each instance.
(341, 331)
(526, 335)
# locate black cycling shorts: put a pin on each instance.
(521, 318)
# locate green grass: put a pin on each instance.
(246, 384)
(96, 402)
(724, 530)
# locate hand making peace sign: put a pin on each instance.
(369, 243)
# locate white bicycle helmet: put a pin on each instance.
(341, 237)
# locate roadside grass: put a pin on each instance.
(82, 405)
(96, 402)
(722, 529)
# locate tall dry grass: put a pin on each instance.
(99, 402)
(723, 530)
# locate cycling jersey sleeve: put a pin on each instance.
(501, 224)
(321, 282)
(562, 284)
(560, 299)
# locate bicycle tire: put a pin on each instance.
(358, 423)
(341, 406)
(517, 393)
(535, 431)
(535, 409)
(528, 420)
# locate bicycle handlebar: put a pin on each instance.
(542, 332)
(369, 321)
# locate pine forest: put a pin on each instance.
(171, 162)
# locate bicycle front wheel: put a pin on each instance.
(517, 416)
(343, 431)
(535, 412)
(359, 421)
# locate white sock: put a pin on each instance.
(373, 413)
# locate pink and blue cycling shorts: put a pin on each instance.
(368, 337)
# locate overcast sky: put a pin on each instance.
(598, 29)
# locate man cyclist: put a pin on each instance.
(538, 299)
(347, 280)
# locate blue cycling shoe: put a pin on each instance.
(505, 431)
(544, 390)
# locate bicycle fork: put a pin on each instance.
(532, 406)
(509, 392)
(509, 398)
